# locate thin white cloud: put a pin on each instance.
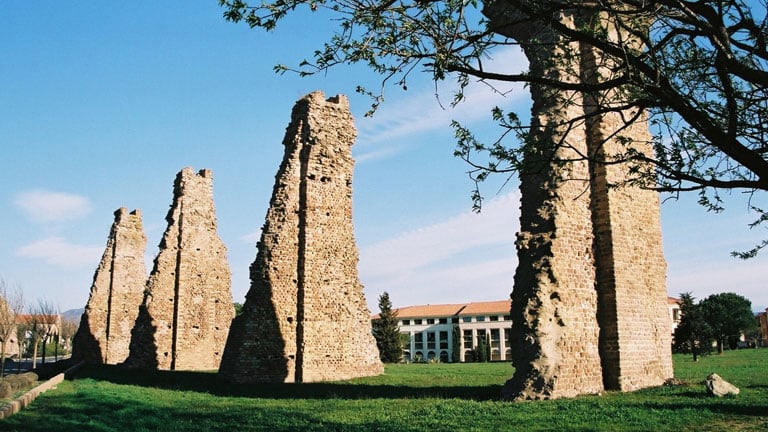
(57, 251)
(251, 238)
(48, 206)
(744, 277)
(421, 112)
(467, 257)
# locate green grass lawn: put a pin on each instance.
(413, 397)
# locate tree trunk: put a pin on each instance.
(34, 354)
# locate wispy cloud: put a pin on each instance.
(744, 277)
(57, 251)
(48, 206)
(421, 112)
(464, 258)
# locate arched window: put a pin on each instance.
(444, 357)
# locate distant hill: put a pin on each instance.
(72, 314)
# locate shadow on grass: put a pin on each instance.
(212, 383)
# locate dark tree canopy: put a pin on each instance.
(696, 70)
(387, 332)
(693, 334)
(729, 315)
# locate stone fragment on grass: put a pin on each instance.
(719, 387)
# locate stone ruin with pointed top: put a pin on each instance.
(117, 291)
(184, 317)
(305, 317)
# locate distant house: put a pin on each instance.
(49, 325)
(762, 322)
(674, 311)
(430, 329)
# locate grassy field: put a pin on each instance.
(414, 397)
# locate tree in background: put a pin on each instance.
(42, 325)
(238, 308)
(729, 315)
(693, 334)
(387, 332)
(68, 329)
(483, 349)
(11, 306)
(696, 70)
(456, 341)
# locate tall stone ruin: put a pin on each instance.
(589, 300)
(305, 317)
(187, 308)
(116, 293)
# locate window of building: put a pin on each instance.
(507, 317)
(444, 357)
(443, 340)
(431, 355)
(418, 357)
(417, 321)
(495, 339)
(418, 339)
(466, 319)
(468, 339)
(507, 336)
(443, 320)
(480, 334)
(480, 318)
(406, 356)
(431, 340)
(406, 322)
(430, 320)
(455, 320)
(494, 317)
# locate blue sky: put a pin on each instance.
(103, 105)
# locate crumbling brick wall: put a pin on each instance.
(305, 317)
(589, 301)
(116, 293)
(187, 307)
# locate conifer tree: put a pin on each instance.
(387, 332)
(456, 336)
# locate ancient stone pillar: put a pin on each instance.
(305, 317)
(116, 293)
(187, 308)
(588, 305)
(635, 335)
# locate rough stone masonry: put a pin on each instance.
(116, 293)
(305, 317)
(589, 300)
(187, 308)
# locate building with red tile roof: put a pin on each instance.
(431, 328)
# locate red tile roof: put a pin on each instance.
(429, 310)
(499, 307)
